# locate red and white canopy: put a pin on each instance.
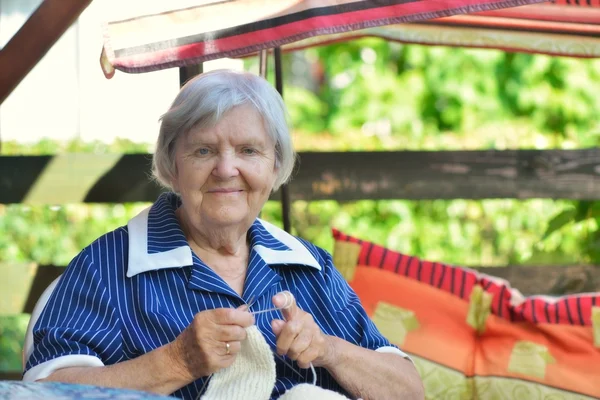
(190, 32)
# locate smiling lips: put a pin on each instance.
(225, 191)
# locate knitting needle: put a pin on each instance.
(290, 366)
(264, 311)
(251, 302)
(203, 387)
(289, 301)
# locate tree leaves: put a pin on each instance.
(558, 221)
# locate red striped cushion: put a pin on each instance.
(507, 302)
(456, 280)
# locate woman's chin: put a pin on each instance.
(228, 218)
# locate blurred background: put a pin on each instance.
(364, 95)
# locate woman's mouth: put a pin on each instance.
(225, 191)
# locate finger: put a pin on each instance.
(234, 348)
(277, 326)
(287, 336)
(232, 316)
(300, 344)
(307, 357)
(229, 333)
(286, 302)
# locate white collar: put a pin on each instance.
(140, 260)
(297, 254)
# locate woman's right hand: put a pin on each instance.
(201, 349)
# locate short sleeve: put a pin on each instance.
(357, 326)
(78, 327)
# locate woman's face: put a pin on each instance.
(226, 173)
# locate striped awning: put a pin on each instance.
(571, 30)
(190, 32)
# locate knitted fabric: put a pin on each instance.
(251, 376)
(306, 391)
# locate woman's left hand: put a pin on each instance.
(299, 337)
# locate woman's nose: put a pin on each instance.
(226, 166)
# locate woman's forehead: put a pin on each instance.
(230, 132)
(240, 123)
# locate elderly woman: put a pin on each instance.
(162, 303)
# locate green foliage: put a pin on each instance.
(417, 92)
(583, 217)
(556, 93)
(49, 146)
(563, 218)
(461, 232)
(307, 109)
(12, 329)
(55, 234)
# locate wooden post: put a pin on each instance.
(39, 33)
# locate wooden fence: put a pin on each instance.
(342, 176)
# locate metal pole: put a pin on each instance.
(187, 73)
(263, 58)
(285, 192)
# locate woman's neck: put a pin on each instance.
(224, 240)
(224, 249)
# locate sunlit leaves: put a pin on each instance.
(563, 218)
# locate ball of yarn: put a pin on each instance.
(306, 391)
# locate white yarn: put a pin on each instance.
(251, 376)
(306, 391)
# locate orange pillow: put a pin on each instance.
(472, 335)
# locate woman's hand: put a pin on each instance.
(299, 337)
(211, 341)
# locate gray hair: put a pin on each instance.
(203, 101)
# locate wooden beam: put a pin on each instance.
(517, 174)
(11, 375)
(343, 176)
(549, 280)
(27, 283)
(43, 278)
(39, 33)
(17, 280)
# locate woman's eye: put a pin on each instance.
(202, 151)
(249, 151)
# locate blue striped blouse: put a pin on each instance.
(136, 288)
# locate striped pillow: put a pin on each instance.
(455, 280)
(471, 335)
(507, 302)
